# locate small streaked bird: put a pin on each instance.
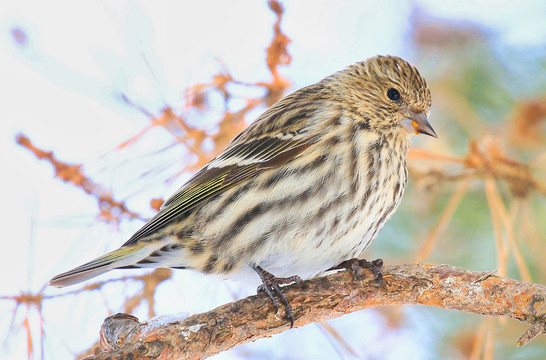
(306, 187)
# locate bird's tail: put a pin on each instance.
(124, 256)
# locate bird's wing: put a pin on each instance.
(259, 147)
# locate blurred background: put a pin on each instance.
(108, 107)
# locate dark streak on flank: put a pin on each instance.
(350, 214)
(197, 248)
(239, 224)
(236, 195)
(395, 193)
(387, 214)
(335, 223)
(211, 263)
(353, 167)
(147, 261)
(366, 197)
(228, 266)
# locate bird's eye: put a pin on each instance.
(393, 94)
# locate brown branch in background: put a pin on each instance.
(110, 209)
(277, 54)
(526, 122)
(484, 158)
(500, 246)
(150, 282)
(156, 204)
(232, 122)
(323, 298)
(488, 158)
(440, 227)
(497, 206)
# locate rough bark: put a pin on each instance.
(323, 298)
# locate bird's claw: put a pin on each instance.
(375, 267)
(357, 265)
(272, 287)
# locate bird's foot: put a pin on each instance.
(271, 285)
(357, 265)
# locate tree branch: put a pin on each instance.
(323, 298)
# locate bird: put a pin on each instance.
(304, 188)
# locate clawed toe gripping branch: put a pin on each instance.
(324, 298)
(272, 287)
(356, 266)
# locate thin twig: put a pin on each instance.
(443, 221)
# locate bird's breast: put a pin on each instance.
(322, 208)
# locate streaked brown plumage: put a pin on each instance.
(306, 186)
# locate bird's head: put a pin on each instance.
(388, 91)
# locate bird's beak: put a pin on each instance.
(417, 123)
